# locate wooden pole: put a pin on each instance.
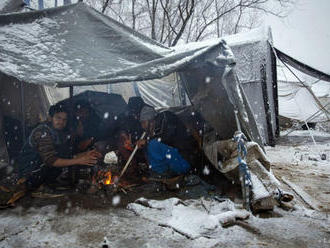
(130, 157)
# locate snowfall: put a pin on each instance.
(300, 163)
(296, 162)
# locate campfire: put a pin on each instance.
(107, 179)
(103, 178)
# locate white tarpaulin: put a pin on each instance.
(296, 101)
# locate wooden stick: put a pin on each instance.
(306, 198)
(130, 158)
(16, 196)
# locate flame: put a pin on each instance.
(107, 179)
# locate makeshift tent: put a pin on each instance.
(297, 99)
(50, 48)
(256, 70)
(255, 66)
(13, 94)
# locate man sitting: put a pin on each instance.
(85, 126)
(47, 151)
(163, 137)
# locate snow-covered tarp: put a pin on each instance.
(254, 68)
(75, 45)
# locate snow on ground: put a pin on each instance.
(163, 223)
(304, 164)
(45, 227)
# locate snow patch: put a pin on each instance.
(192, 218)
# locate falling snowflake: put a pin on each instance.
(115, 200)
(206, 170)
(192, 113)
(159, 139)
(106, 115)
(219, 164)
(115, 118)
(168, 156)
(207, 80)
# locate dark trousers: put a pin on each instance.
(45, 174)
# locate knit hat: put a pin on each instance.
(147, 113)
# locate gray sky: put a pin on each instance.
(305, 33)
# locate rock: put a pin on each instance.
(323, 156)
(312, 158)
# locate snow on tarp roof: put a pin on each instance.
(251, 36)
(69, 43)
(249, 50)
(76, 45)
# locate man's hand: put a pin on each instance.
(95, 153)
(141, 143)
(89, 158)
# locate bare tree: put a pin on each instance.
(173, 21)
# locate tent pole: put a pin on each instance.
(72, 170)
(136, 89)
(275, 90)
(266, 104)
(22, 110)
(71, 91)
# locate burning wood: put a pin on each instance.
(106, 180)
(102, 178)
